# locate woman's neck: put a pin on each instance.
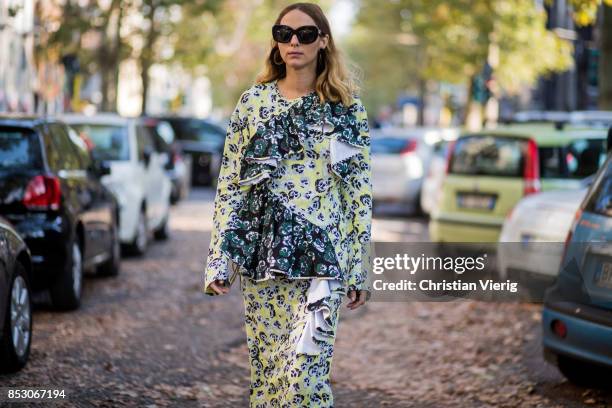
(297, 83)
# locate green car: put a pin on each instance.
(489, 171)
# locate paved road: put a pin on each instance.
(150, 338)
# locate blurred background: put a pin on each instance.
(490, 124)
(422, 62)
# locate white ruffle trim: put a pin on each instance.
(340, 150)
(317, 327)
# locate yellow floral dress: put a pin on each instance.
(293, 214)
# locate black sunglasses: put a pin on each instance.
(305, 34)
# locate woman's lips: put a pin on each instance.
(294, 53)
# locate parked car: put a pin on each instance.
(137, 175)
(577, 313)
(530, 244)
(400, 159)
(180, 167)
(15, 299)
(491, 170)
(203, 141)
(591, 118)
(50, 190)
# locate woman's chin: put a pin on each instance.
(296, 64)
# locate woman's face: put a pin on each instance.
(294, 53)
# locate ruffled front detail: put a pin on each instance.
(277, 139)
(347, 137)
(318, 326)
(269, 239)
(282, 137)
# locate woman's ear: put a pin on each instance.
(325, 41)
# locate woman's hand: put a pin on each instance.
(357, 297)
(218, 286)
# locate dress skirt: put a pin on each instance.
(275, 315)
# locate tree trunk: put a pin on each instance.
(116, 58)
(108, 58)
(144, 75)
(422, 96)
(605, 60)
(104, 75)
(472, 118)
(146, 57)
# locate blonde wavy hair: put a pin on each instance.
(335, 81)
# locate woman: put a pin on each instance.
(293, 210)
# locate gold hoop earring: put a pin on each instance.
(277, 52)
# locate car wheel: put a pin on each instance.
(66, 292)
(175, 194)
(418, 209)
(17, 329)
(163, 231)
(112, 266)
(583, 373)
(141, 241)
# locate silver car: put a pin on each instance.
(400, 161)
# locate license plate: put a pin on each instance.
(480, 202)
(605, 277)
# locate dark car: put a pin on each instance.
(203, 140)
(15, 300)
(50, 190)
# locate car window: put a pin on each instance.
(67, 153)
(488, 155)
(440, 148)
(51, 151)
(584, 157)
(388, 145)
(600, 200)
(19, 148)
(577, 160)
(110, 142)
(198, 130)
(145, 141)
(160, 143)
(80, 148)
(551, 162)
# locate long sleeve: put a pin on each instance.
(357, 194)
(229, 196)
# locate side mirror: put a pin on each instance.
(100, 168)
(104, 168)
(146, 156)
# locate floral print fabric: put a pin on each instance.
(271, 238)
(294, 192)
(275, 312)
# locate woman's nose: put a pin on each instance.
(294, 39)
